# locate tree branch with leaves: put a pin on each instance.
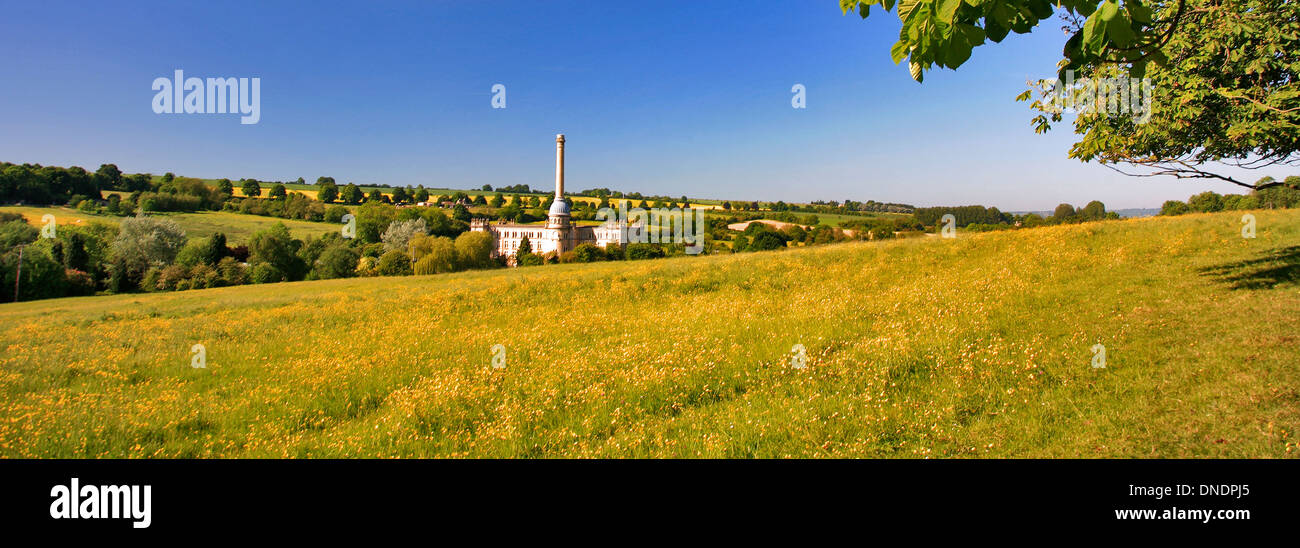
(1223, 73)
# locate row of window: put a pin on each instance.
(521, 234)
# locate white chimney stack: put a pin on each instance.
(559, 166)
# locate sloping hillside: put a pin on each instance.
(979, 346)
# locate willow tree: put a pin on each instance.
(1221, 73)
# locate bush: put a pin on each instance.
(529, 259)
(144, 242)
(439, 255)
(337, 261)
(1206, 202)
(79, 283)
(588, 253)
(1173, 207)
(150, 280)
(170, 276)
(15, 233)
(640, 251)
(232, 272)
(399, 233)
(366, 266)
(266, 273)
(394, 263)
(274, 246)
(192, 254)
(474, 250)
(334, 214)
(765, 241)
(204, 277)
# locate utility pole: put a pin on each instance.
(18, 277)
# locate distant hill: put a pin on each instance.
(1125, 213)
(1137, 212)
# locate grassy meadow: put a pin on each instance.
(929, 347)
(238, 227)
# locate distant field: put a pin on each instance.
(834, 219)
(238, 227)
(310, 191)
(973, 347)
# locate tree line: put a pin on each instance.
(1270, 197)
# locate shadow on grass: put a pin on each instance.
(1275, 267)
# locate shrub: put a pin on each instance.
(337, 261)
(1206, 202)
(1173, 207)
(170, 276)
(399, 233)
(192, 254)
(144, 242)
(79, 283)
(203, 276)
(274, 246)
(366, 266)
(439, 255)
(334, 214)
(232, 272)
(15, 233)
(529, 259)
(640, 251)
(765, 241)
(150, 280)
(266, 273)
(588, 253)
(394, 263)
(474, 250)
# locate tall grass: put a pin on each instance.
(978, 346)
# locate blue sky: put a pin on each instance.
(673, 97)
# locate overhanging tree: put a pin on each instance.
(1223, 74)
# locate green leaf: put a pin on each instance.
(1158, 57)
(1108, 10)
(958, 51)
(1022, 25)
(1001, 14)
(1140, 13)
(1094, 34)
(974, 34)
(1120, 30)
(1041, 9)
(915, 69)
(906, 8)
(947, 11)
(1138, 69)
(899, 51)
(1073, 46)
(995, 31)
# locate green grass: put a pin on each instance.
(978, 346)
(238, 227)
